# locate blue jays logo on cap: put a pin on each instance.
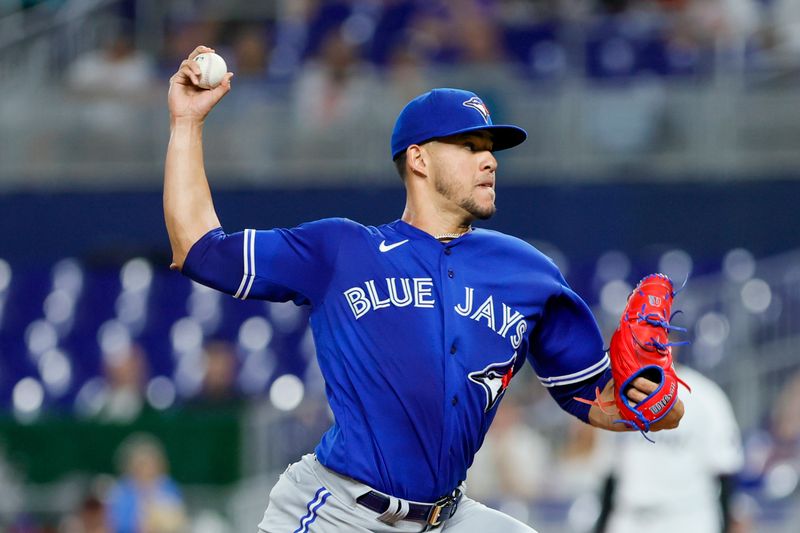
(478, 105)
(446, 112)
(494, 379)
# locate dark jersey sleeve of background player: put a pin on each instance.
(608, 503)
(277, 265)
(565, 342)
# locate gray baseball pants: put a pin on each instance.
(310, 498)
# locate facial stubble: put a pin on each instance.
(447, 188)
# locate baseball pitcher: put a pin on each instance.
(420, 324)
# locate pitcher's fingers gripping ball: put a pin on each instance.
(640, 347)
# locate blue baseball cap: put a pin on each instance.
(445, 112)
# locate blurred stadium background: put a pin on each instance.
(663, 136)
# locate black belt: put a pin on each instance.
(433, 514)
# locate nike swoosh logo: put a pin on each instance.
(386, 247)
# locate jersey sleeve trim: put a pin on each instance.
(248, 249)
(575, 377)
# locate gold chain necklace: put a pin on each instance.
(451, 236)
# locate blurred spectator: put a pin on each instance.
(512, 463)
(291, 36)
(219, 379)
(685, 480)
(257, 101)
(476, 26)
(774, 456)
(118, 70)
(145, 499)
(336, 96)
(334, 86)
(122, 398)
(251, 54)
(91, 517)
(786, 421)
(459, 32)
(405, 76)
(481, 55)
(107, 93)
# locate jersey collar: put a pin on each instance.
(412, 231)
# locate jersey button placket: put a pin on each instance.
(453, 370)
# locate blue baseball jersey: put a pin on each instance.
(417, 339)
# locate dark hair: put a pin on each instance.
(400, 165)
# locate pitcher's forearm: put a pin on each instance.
(188, 208)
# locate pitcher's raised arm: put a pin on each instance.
(188, 208)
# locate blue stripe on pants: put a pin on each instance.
(313, 506)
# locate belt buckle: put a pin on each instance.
(449, 503)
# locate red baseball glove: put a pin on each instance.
(640, 347)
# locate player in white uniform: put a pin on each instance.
(682, 483)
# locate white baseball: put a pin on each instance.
(212, 69)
